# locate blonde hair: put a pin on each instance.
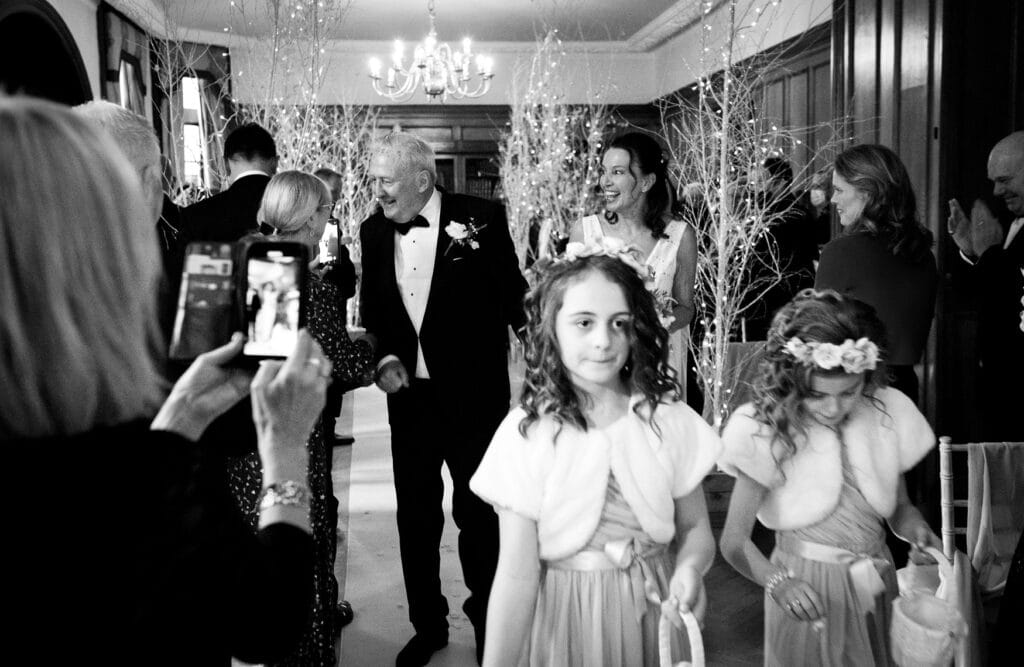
(78, 263)
(290, 200)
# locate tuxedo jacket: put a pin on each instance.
(228, 215)
(475, 295)
(999, 286)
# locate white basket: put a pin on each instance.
(696, 641)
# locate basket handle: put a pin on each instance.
(696, 641)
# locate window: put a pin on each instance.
(129, 88)
(193, 133)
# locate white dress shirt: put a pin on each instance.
(414, 270)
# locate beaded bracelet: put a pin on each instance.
(777, 578)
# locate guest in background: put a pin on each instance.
(251, 156)
(784, 256)
(296, 206)
(817, 203)
(170, 574)
(134, 135)
(884, 255)
(996, 258)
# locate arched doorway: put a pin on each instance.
(38, 55)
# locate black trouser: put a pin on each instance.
(428, 429)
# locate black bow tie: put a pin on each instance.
(404, 227)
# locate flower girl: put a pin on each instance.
(596, 478)
(818, 457)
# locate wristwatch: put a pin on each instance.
(288, 492)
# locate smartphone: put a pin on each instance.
(206, 301)
(329, 242)
(273, 291)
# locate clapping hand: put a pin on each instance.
(976, 235)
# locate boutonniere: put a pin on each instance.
(464, 234)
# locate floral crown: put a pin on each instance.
(854, 356)
(609, 246)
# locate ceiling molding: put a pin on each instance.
(671, 22)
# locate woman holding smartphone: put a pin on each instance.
(297, 206)
(162, 569)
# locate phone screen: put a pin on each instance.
(329, 242)
(273, 303)
(205, 301)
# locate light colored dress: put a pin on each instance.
(577, 605)
(662, 262)
(597, 548)
(851, 635)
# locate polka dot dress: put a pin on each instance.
(325, 319)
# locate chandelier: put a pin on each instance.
(442, 71)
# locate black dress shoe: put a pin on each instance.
(419, 649)
(343, 615)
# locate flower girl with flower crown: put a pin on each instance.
(818, 458)
(596, 477)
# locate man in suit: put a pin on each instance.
(251, 156)
(996, 256)
(440, 287)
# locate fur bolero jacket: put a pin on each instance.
(883, 439)
(561, 482)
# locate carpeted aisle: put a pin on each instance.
(368, 567)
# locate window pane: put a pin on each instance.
(193, 140)
(190, 93)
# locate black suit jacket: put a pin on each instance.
(226, 216)
(475, 295)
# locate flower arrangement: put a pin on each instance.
(854, 357)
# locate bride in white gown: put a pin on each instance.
(639, 210)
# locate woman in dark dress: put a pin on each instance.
(297, 206)
(884, 255)
(125, 547)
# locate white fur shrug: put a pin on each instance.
(881, 444)
(562, 485)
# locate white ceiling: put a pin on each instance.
(642, 23)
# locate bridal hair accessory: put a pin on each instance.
(854, 357)
(610, 246)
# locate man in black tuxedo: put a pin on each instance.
(440, 287)
(251, 156)
(997, 257)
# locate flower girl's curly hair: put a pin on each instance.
(813, 316)
(547, 388)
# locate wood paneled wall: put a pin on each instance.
(939, 81)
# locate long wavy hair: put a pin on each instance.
(79, 342)
(891, 209)
(548, 389)
(820, 316)
(645, 158)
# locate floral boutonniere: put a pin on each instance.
(463, 234)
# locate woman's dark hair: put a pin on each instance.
(813, 316)
(547, 388)
(645, 157)
(891, 209)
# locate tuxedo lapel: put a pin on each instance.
(441, 263)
